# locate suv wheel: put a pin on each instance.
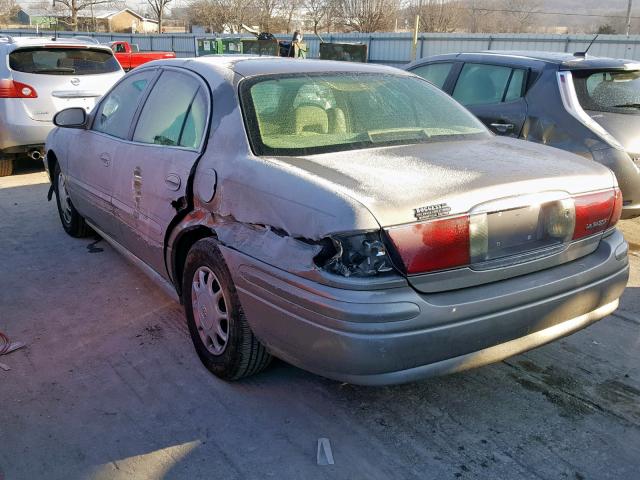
(218, 327)
(72, 222)
(6, 167)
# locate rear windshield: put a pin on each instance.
(608, 91)
(63, 61)
(317, 113)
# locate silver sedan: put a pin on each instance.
(350, 219)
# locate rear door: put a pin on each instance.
(63, 77)
(495, 94)
(154, 170)
(94, 154)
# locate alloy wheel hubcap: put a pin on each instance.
(210, 310)
(65, 201)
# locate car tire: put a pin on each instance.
(213, 312)
(72, 222)
(6, 167)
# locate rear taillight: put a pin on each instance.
(434, 245)
(13, 89)
(447, 243)
(596, 212)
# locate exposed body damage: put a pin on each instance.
(372, 265)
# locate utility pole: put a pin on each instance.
(414, 43)
(629, 17)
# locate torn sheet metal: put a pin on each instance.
(263, 243)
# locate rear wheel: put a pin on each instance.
(72, 222)
(218, 327)
(6, 167)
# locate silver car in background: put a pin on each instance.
(350, 219)
(41, 76)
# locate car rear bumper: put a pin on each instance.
(19, 133)
(398, 335)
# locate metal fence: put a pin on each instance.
(396, 48)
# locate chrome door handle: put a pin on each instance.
(106, 159)
(173, 181)
(502, 127)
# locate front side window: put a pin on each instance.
(63, 61)
(436, 73)
(163, 120)
(315, 113)
(115, 113)
(480, 84)
(608, 91)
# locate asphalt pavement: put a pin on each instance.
(109, 386)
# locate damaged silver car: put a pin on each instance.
(350, 219)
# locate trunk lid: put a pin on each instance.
(393, 182)
(510, 202)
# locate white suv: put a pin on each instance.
(41, 76)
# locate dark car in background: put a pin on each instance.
(586, 105)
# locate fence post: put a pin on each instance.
(566, 43)
(369, 48)
(421, 46)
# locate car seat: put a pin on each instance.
(310, 118)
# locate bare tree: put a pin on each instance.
(316, 11)
(8, 9)
(75, 6)
(369, 15)
(520, 14)
(438, 15)
(480, 17)
(291, 9)
(222, 15)
(267, 10)
(157, 10)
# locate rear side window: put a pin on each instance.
(168, 116)
(115, 112)
(63, 61)
(436, 73)
(484, 84)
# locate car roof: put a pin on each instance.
(563, 60)
(49, 41)
(248, 66)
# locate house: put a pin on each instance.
(123, 20)
(39, 17)
(126, 21)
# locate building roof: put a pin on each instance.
(85, 13)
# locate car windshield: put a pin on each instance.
(63, 61)
(316, 113)
(608, 91)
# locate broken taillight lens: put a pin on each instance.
(13, 89)
(433, 245)
(358, 255)
(596, 212)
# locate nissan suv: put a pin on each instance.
(577, 102)
(41, 76)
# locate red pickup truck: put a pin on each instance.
(130, 56)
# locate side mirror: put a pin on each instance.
(75, 117)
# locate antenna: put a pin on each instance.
(584, 54)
